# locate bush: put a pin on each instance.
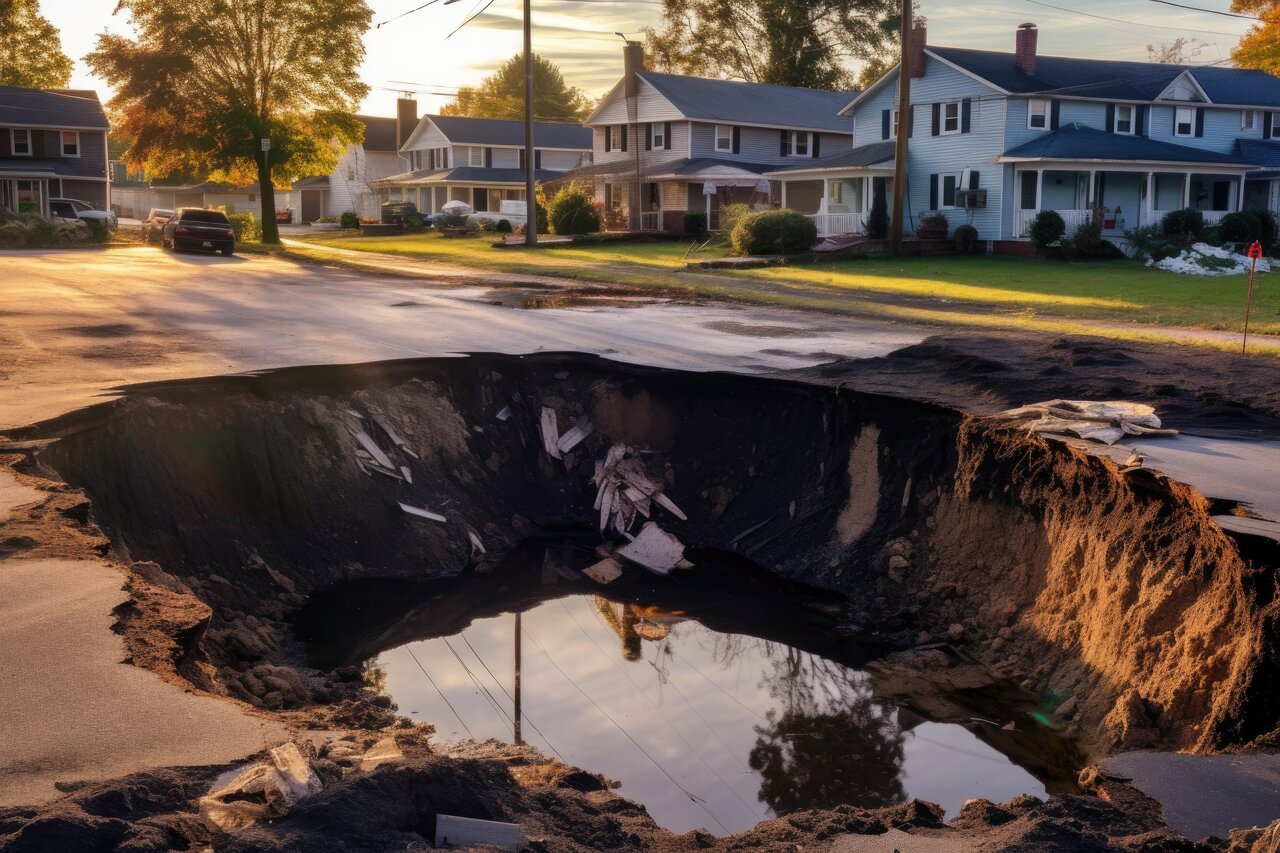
(33, 232)
(774, 232)
(936, 222)
(966, 238)
(695, 222)
(573, 211)
(731, 215)
(878, 216)
(1149, 243)
(248, 227)
(1047, 228)
(1184, 224)
(1088, 237)
(503, 226)
(349, 219)
(330, 220)
(1247, 226)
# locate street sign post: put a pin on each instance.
(1255, 252)
(266, 145)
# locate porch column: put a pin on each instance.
(1240, 193)
(1186, 190)
(1093, 200)
(1151, 197)
(1039, 189)
(784, 195)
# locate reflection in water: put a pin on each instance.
(705, 729)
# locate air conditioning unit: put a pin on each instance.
(971, 199)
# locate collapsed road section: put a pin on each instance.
(984, 570)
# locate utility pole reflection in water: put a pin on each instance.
(516, 700)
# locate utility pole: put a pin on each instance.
(531, 202)
(515, 702)
(903, 131)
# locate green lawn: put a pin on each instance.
(975, 291)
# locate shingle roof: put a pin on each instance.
(863, 155)
(51, 107)
(1077, 142)
(492, 131)
(736, 102)
(1259, 153)
(379, 133)
(469, 175)
(27, 164)
(1104, 78)
(679, 167)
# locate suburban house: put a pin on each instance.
(480, 161)
(53, 144)
(132, 195)
(353, 185)
(997, 137)
(667, 144)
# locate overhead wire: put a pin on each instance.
(1209, 11)
(523, 715)
(441, 692)
(504, 718)
(1131, 23)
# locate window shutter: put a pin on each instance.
(1199, 121)
(886, 117)
(973, 179)
(937, 119)
(624, 138)
(966, 115)
(522, 157)
(1266, 124)
(1055, 113)
(1111, 118)
(537, 159)
(813, 147)
(666, 135)
(488, 158)
(1140, 121)
(933, 192)
(784, 143)
(608, 139)
(648, 137)
(737, 140)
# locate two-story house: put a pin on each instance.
(481, 161)
(996, 137)
(666, 144)
(53, 144)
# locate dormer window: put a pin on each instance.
(1124, 119)
(1037, 114)
(1184, 121)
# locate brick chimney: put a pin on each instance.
(632, 61)
(919, 41)
(1025, 49)
(406, 119)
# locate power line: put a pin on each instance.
(504, 719)
(405, 14)
(1131, 23)
(1209, 11)
(483, 9)
(441, 692)
(524, 716)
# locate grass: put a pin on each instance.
(1052, 296)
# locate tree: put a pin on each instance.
(1259, 47)
(1180, 51)
(873, 69)
(203, 83)
(786, 42)
(501, 94)
(31, 54)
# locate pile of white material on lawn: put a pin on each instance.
(1203, 259)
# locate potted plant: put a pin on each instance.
(933, 226)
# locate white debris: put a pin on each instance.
(606, 571)
(454, 831)
(391, 434)
(385, 751)
(505, 414)
(423, 513)
(574, 436)
(626, 489)
(261, 791)
(1107, 422)
(372, 448)
(1203, 259)
(477, 547)
(404, 472)
(550, 433)
(654, 548)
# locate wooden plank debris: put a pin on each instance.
(408, 476)
(399, 442)
(607, 570)
(574, 436)
(654, 549)
(1103, 421)
(477, 547)
(423, 513)
(505, 414)
(373, 449)
(452, 831)
(550, 433)
(626, 489)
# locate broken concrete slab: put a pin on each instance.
(654, 549)
(372, 448)
(261, 791)
(385, 751)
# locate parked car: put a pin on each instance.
(196, 228)
(153, 225)
(73, 208)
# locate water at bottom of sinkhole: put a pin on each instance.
(706, 729)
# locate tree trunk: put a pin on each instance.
(267, 192)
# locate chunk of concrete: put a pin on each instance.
(385, 751)
(605, 571)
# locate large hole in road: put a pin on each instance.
(879, 598)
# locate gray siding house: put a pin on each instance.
(53, 144)
(353, 186)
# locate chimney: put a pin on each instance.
(1026, 48)
(632, 61)
(919, 40)
(406, 120)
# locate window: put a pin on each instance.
(70, 143)
(475, 156)
(893, 134)
(837, 192)
(658, 135)
(1037, 114)
(1124, 119)
(615, 137)
(948, 184)
(1248, 119)
(800, 142)
(951, 118)
(1184, 121)
(724, 137)
(21, 140)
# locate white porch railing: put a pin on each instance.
(1210, 216)
(1073, 218)
(830, 224)
(651, 220)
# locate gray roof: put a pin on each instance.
(1105, 78)
(471, 175)
(863, 155)
(379, 133)
(52, 166)
(1077, 142)
(1259, 153)
(736, 102)
(51, 108)
(494, 131)
(680, 166)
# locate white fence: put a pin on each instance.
(651, 220)
(1075, 218)
(830, 224)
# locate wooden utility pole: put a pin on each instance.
(903, 131)
(531, 201)
(516, 711)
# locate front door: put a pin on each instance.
(311, 205)
(480, 200)
(1221, 195)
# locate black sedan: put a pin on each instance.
(194, 228)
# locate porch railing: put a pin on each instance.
(651, 220)
(1211, 217)
(830, 224)
(1073, 219)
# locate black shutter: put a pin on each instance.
(624, 137)
(784, 143)
(737, 140)
(1140, 121)
(1199, 121)
(608, 139)
(1266, 124)
(937, 119)
(814, 147)
(488, 158)
(1055, 113)
(933, 192)
(885, 119)
(522, 158)
(648, 137)
(537, 159)
(973, 179)
(1111, 118)
(966, 114)
(666, 135)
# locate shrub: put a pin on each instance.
(248, 227)
(936, 222)
(966, 238)
(731, 215)
(1047, 228)
(349, 219)
(695, 222)
(573, 211)
(1186, 224)
(1247, 226)
(774, 232)
(1088, 237)
(32, 232)
(485, 226)
(878, 216)
(503, 226)
(329, 220)
(1149, 243)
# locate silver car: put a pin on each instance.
(74, 208)
(153, 225)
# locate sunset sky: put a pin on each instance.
(579, 36)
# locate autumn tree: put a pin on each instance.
(501, 95)
(873, 69)
(31, 54)
(786, 42)
(1259, 47)
(202, 84)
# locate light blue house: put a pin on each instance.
(996, 137)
